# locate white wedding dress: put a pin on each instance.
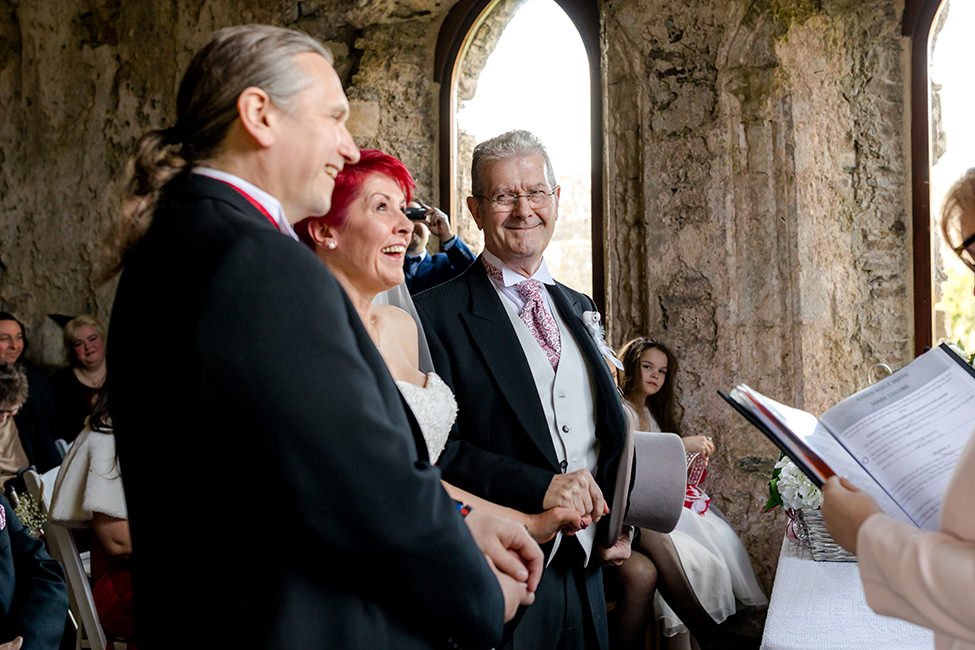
(435, 409)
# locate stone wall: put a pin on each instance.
(80, 81)
(756, 179)
(757, 185)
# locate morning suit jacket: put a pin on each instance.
(500, 447)
(279, 494)
(437, 269)
(33, 594)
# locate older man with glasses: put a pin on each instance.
(539, 420)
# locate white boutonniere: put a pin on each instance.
(593, 322)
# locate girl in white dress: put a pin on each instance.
(363, 241)
(715, 562)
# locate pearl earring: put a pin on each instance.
(330, 245)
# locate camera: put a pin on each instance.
(416, 214)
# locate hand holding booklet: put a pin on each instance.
(897, 440)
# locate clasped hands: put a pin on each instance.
(578, 498)
(572, 502)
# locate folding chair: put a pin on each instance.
(60, 542)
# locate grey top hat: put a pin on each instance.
(659, 479)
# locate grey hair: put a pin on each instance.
(959, 200)
(506, 145)
(235, 58)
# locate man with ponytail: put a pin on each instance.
(279, 495)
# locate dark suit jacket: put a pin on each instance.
(277, 498)
(33, 594)
(500, 447)
(437, 269)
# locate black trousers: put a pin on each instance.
(561, 618)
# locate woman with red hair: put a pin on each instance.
(363, 240)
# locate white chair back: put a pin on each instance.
(61, 543)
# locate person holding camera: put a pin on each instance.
(422, 269)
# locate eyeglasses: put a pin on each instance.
(507, 200)
(965, 254)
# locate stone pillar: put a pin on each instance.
(757, 205)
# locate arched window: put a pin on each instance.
(941, 145)
(457, 36)
(953, 141)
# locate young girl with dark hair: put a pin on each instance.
(711, 562)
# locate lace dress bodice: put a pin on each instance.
(435, 409)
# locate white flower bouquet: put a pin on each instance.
(800, 499)
(792, 489)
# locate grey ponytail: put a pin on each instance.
(236, 58)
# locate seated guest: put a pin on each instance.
(927, 578)
(424, 270)
(13, 394)
(36, 420)
(77, 387)
(33, 594)
(361, 240)
(711, 555)
(88, 493)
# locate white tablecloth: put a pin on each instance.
(821, 606)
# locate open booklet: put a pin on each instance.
(897, 440)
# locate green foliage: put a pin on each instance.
(774, 498)
(958, 304)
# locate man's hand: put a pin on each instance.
(515, 593)
(579, 491)
(616, 554)
(12, 645)
(438, 223)
(509, 547)
(845, 508)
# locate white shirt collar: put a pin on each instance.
(268, 202)
(512, 277)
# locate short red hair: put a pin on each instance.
(349, 182)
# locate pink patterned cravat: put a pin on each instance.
(534, 315)
(539, 322)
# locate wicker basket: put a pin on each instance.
(810, 529)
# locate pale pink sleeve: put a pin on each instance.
(922, 577)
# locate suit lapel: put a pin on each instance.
(492, 335)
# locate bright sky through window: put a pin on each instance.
(537, 78)
(951, 61)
